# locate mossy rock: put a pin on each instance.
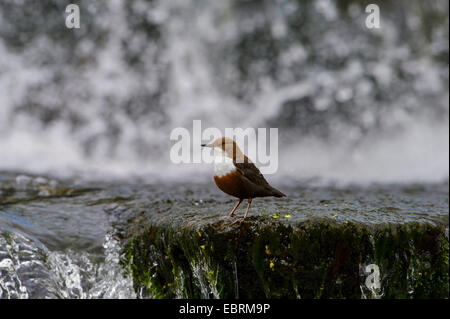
(267, 257)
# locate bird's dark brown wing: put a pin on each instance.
(252, 173)
(256, 180)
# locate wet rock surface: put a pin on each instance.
(317, 243)
(385, 241)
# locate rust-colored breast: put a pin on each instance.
(232, 184)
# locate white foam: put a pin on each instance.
(405, 149)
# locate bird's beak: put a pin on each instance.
(205, 145)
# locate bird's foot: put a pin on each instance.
(238, 220)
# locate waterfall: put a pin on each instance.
(352, 104)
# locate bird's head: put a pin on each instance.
(225, 145)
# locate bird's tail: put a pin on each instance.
(276, 192)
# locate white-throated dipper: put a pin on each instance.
(237, 176)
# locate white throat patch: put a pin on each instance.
(223, 164)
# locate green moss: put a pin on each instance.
(312, 259)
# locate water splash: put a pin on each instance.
(11, 264)
(206, 276)
(30, 270)
(112, 280)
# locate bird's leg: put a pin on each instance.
(246, 212)
(235, 207)
(248, 207)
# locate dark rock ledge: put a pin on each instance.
(285, 252)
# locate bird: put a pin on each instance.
(236, 175)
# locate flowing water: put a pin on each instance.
(95, 107)
(63, 239)
(351, 104)
(56, 246)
